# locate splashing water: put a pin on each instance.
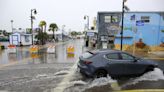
(102, 81)
(155, 75)
(62, 72)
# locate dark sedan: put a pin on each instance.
(113, 62)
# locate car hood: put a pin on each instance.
(150, 62)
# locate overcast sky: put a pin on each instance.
(65, 12)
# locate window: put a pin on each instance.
(127, 57)
(114, 19)
(112, 56)
(145, 19)
(27, 38)
(111, 19)
(87, 55)
(107, 19)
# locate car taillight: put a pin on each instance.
(87, 62)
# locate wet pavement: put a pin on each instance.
(43, 72)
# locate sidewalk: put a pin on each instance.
(158, 55)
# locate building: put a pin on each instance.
(17, 37)
(148, 26)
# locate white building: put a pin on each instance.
(17, 37)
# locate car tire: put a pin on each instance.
(100, 73)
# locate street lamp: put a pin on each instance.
(87, 21)
(12, 25)
(62, 32)
(122, 26)
(32, 17)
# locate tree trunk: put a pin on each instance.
(53, 35)
(45, 28)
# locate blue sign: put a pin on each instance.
(139, 23)
(90, 33)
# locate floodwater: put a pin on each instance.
(56, 72)
(60, 55)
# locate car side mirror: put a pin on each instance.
(135, 59)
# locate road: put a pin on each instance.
(57, 73)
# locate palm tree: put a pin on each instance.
(42, 35)
(53, 27)
(43, 24)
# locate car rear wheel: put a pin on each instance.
(100, 73)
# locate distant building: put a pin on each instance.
(17, 37)
(149, 26)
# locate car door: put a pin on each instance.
(115, 64)
(130, 66)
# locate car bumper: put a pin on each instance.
(85, 71)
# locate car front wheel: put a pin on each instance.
(149, 68)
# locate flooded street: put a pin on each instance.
(44, 72)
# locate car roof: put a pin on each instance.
(104, 51)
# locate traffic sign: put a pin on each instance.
(139, 23)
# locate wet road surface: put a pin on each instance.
(57, 73)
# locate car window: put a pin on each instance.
(127, 57)
(112, 56)
(87, 55)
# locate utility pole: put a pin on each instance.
(122, 26)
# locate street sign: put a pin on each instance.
(90, 33)
(133, 17)
(139, 23)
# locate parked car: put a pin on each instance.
(113, 62)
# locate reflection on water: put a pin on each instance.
(42, 56)
(6, 57)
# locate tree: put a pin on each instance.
(5, 33)
(53, 27)
(43, 24)
(74, 33)
(41, 37)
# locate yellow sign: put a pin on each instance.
(34, 49)
(34, 55)
(69, 55)
(70, 49)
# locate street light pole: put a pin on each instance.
(12, 25)
(122, 26)
(87, 20)
(62, 32)
(35, 12)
